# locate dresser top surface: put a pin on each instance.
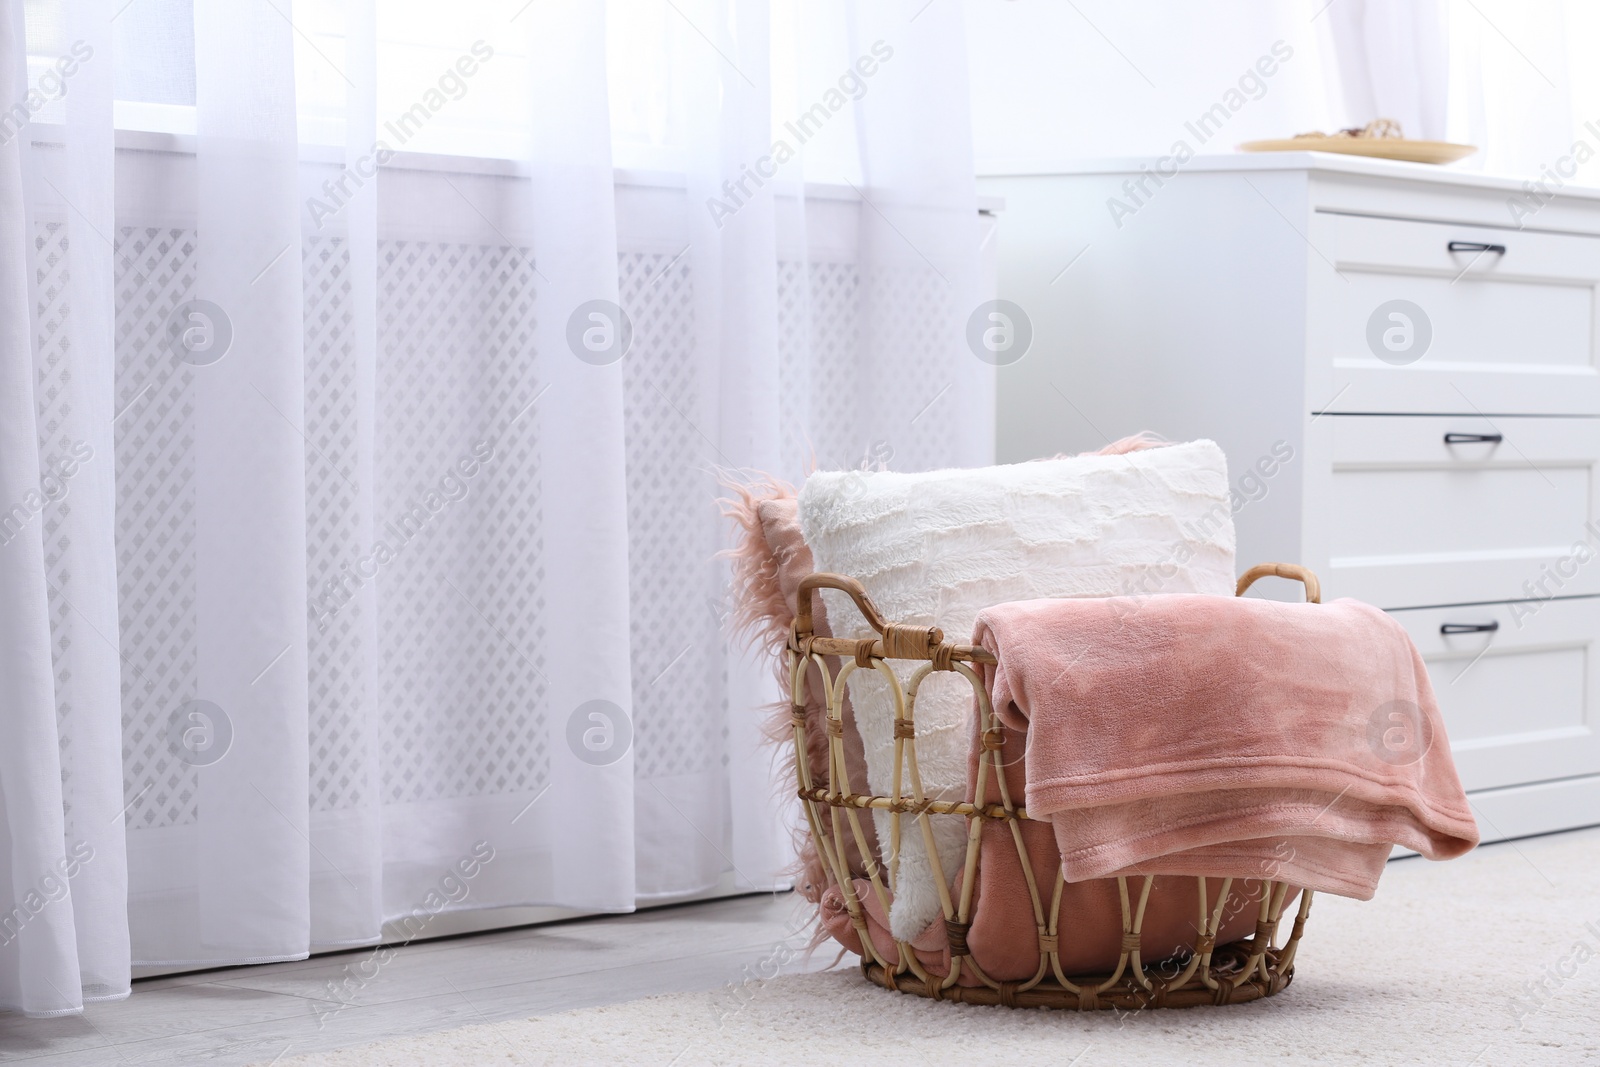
(1311, 162)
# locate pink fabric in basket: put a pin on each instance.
(1207, 735)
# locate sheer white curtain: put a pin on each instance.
(1523, 85)
(63, 875)
(1514, 77)
(1110, 78)
(1391, 61)
(1097, 79)
(359, 440)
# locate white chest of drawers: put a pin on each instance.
(1401, 365)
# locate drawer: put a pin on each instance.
(1519, 702)
(1412, 511)
(1406, 325)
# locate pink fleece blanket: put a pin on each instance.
(1218, 736)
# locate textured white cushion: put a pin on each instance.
(937, 548)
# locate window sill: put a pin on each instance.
(51, 135)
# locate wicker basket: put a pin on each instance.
(1245, 970)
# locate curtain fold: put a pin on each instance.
(919, 227)
(82, 550)
(347, 893)
(1391, 62)
(63, 915)
(1522, 86)
(734, 260)
(582, 337)
(359, 558)
(40, 972)
(1512, 78)
(251, 848)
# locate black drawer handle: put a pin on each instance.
(1473, 438)
(1470, 627)
(1476, 246)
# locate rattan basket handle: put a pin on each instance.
(894, 641)
(1282, 570)
(919, 642)
(854, 589)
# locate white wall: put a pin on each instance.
(1056, 79)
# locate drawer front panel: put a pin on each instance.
(1404, 324)
(1421, 510)
(1519, 702)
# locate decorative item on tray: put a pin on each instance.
(1380, 138)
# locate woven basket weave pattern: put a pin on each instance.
(1206, 973)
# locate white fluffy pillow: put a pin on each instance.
(934, 549)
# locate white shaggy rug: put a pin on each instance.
(1493, 959)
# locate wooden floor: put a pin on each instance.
(251, 1015)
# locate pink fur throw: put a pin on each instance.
(769, 560)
